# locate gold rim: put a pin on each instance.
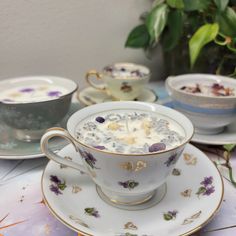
(185, 234)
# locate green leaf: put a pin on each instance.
(227, 22)
(167, 216)
(193, 5)
(156, 21)
(201, 37)
(201, 190)
(179, 4)
(229, 147)
(175, 30)
(221, 4)
(138, 37)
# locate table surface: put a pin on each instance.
(23, 212)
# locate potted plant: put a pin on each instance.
(196, 35)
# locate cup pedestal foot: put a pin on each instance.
(209, 130)
(132, 202)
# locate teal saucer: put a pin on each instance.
(11, 148)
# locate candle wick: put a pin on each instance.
(126, 123)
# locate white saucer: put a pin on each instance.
(228, 136)
(90, 96)
(72, 197)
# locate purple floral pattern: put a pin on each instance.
(171, 160)
(207, 187)
(89, 159)
(170, 215)
(130, 184)
(57, 185)
(91, 211)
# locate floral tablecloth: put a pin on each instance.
(23, 212)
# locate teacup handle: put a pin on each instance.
(98, 76)
(59, 132)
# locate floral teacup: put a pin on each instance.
(124, 178)
(123, 81)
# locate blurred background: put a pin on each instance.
(67, 38)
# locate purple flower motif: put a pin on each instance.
(171, 160)
(100, 147)
(170, 215)
(26, 90)
(57, 185)
(55, 179)
(100, 119)
(173, 213)
(55, 189)
(54, 94)
(209, 191)
(156, 147)
(206, 187)
(130, 184)
(89, 158)
(207, 181)
(92, 212)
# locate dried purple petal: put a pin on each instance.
(100, 119)
(217, 86)
(26, 90)
(100, 147)
(7, 100)
(54, 94)
(156, 147)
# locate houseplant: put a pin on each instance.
(196, 35)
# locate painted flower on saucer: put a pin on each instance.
(57, 185)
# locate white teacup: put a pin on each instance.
(124, 178)
(123, 81)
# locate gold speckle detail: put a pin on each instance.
(114, 126)
(190, 219)
(78, 221)
(190, 159)
(14, 95)
(76, 189)
(186, 193)
(130, 225)
(128, 140)
(132, 166)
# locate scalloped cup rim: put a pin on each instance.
(71, 87)
(117, 105)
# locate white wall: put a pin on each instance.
(68, 37)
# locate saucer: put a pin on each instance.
(11, 148)
(72, 197)
(90, 96)
(228, 136)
